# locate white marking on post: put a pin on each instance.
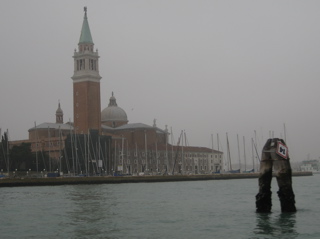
(282, 150)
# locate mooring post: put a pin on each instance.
(275, 157)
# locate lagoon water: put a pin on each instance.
(201, 209)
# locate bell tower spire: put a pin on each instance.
(86, 83)
(85, 36)
(59, 115)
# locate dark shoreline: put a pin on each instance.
(19, 182)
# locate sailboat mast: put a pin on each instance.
(171, 146)
(218, 142)
(72, 150)
(60, 156)
(244, 154)
(146, 150)
(8, 153)
(88, 150)
(76, 150)
(167, 159)
(130, 165)
(37, 140)
(157, 157)
(85, 153)
(252, 154)
(49, 135)
(115, 158)
(239, 154)
(106, 167)
(228, 153)
(182, 156)
(122, 148)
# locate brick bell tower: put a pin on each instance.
(86, 83)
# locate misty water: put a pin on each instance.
(202, 209)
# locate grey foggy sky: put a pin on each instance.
(205, 67)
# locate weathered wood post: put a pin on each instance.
(275, 156)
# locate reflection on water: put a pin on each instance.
(201, 210)
(92, 210)
(270, 226)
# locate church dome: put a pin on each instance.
(113, 115)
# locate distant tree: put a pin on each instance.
(3, 152)
(21, 157)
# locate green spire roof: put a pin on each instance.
(85, 36)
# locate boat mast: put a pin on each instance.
(136, 155)
(37, 140)
(60, 156)
(182, 156)
(76, 149)
(157, 157)
(146, 150)
(218, 142)
(252, 155)
(239, 154)
(228, 153)
(115, 158)
(130, 165)
(177, 151)
(212, 153)
(8, 154)
(122, 148)
(244, 154)
(49, 135)
(172, 139)
(88, 150)
(72, 150)
(167, 159)
(106, 166)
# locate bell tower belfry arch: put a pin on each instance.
(86, 83)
